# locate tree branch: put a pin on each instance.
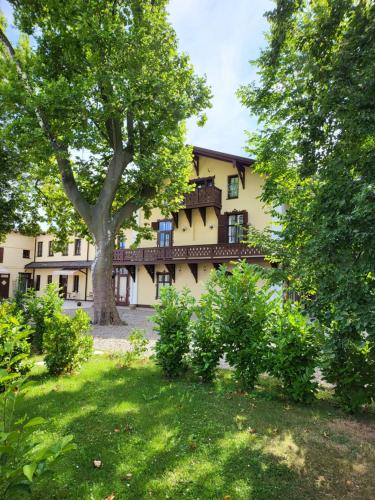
(128, 209)
(60, 150)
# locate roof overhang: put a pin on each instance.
(218, 155)
(60, 264)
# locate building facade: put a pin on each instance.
(207, 231)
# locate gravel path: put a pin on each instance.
(113, 338)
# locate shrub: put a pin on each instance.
(293, 351)
(14, 336)
(138, 346)
(23, 455)
(172, 318)
(349, 363)
(245, 304)
(67, 342)
(207, 344)
(39, 309)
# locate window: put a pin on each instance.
(204, 182)
(26, 254)
(37, 282)
(121, 243)
(233, 186)
(50, 248)
(77, 246)
(49, 279)
(24, 281)
(39, 252)
(75, 283)
(235, 228)
(65, 250)
(165, 233)
(162, 280)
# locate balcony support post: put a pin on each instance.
(175, 219)
(202, 211)
(150, 268)
(194, 271)
(172, 271)
(241, 172)
(131, 271)
(196, 164)
(188, 212)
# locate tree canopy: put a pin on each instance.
(316, 147)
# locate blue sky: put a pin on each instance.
(220, 36)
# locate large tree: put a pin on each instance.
(316, 146)
(96, 95)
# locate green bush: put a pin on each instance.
(207, 344)
(67, 342)
(138, 346)
(24, 455)
(14, 340)
(245, 304)
(39, 309)
(349, 363)
(293, 352)
(172, 318)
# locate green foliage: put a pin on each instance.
(293, 351)
(172, 318)
(244, 305)
(207, 345)
(315, 100)
(40, 309)
(14, 341)
(67, 342)
(24, 455)
(138, 347)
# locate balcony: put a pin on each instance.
(207, 196)
(214, 253)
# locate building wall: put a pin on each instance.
(87, 250)
(13, 260)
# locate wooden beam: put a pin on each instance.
(196, 164)
(150, 268)
(172, 271)
(188, 212)
(241, 172)
(175, 218)
(217, 211)
(194, 271)
(202, 211)
(131, 271)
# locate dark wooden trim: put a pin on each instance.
(172, 271)
(157, 282)
(202, 211)
(188, 212)
(131, 271)
(241, 172)
(194, 270)
(150, 268)
(175, 219)
(218, 155)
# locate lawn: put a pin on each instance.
(181, 439)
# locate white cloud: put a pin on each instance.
(220, 37)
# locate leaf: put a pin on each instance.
(29, 470)
(35, 422)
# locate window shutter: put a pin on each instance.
(245, 224)
(222, 233)
(155, 226)
(1, 254)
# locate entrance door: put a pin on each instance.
(121, 286)
(4, 286)
(63, 284)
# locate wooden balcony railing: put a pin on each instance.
(188, 253)
(209, 196)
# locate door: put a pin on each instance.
(63, 284)
(4, 286)
(121, 286)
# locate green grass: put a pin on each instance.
(183, 439)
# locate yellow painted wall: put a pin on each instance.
(46, 238)
(13, 260)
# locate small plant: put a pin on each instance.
(293, 351)
(23, 456)
(39, 309)
(67, 342)
(172, 318)
(138, 343)
(15, 333)
(207, 344)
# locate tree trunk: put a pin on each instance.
(105, 310)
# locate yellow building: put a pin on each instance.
(206, 232)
